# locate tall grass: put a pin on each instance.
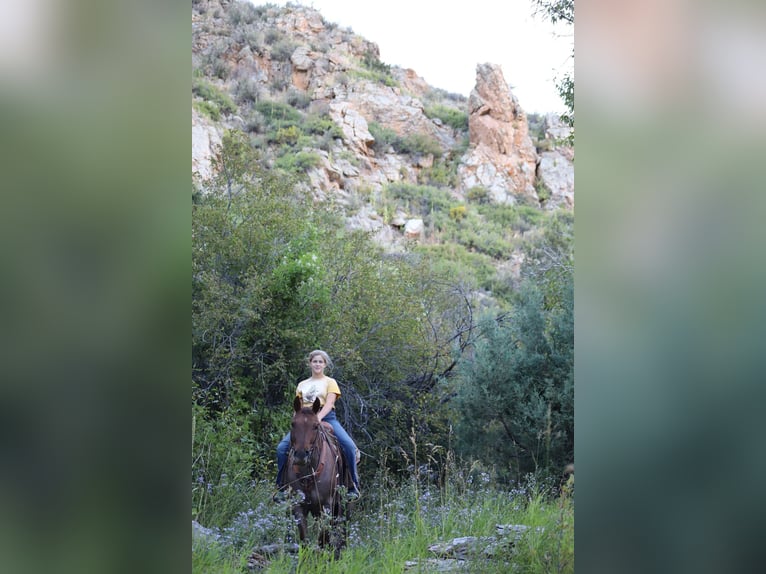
(398, 519)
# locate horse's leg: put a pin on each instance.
(338, 525)
(325, 529)
(300, 520)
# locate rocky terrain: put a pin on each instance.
(355, 126)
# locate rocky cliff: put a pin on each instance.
(300, 85)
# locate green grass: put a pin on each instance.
(393, 524)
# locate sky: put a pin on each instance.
(444, 41)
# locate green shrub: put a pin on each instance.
(283, 49)
(288, 135)
(280, 82)
(278, 114)
(273, 35)
(221, 69)
(247, 90)
(455, 261)
(375, 76)
(439, 174)
(241, 13)
(376, 70)
(298, 99)
(420, 200)
(457, 213)
(418, 144)
(371, 61)
(478, 194)
(384, 137)
(249, 35)
(482, 239)
(298, 163)
(210, 93)
(518, 218)
(208, 109)
(543, 193)
(222, 463)
(450, 116)
(322, 125)
(531, 214)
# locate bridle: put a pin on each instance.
(309, 459)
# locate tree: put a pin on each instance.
(275, 276)
(561, 11)
(515, 400)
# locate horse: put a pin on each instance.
(315, 469)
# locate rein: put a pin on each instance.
(321, 436)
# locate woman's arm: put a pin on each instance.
(329, 402)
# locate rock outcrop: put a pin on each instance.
(205, 137)
(268, 53)
(556, 166)
(502, 158)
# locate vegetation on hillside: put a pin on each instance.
(455, 372)
(274, 276)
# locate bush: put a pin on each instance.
(478, 194)
(457, 213)
(210, 93)
(278, 114)
(209, 109)
(375, 76)
(420, 200)
(222, 458)
(298, 99)
(247, 91)
(371, 61)
(249, 35)
(384, 137)
(299, 162)
(376, 70)
(439, 174)
(461, 265)
(240, 13)
(323, 126)
(454, 118)
(418, 144)
(288, 135)
(283, 49)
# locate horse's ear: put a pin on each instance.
(316, 406)
(297, 404)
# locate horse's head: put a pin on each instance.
(304, 431)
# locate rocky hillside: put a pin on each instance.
(316, 100)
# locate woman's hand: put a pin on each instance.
(329, 402)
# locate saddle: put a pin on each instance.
(346, 479)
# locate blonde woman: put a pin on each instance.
(326, 389)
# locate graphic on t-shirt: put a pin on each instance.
(310, 393)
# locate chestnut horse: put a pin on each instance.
(315, 469)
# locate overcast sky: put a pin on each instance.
(444, 41)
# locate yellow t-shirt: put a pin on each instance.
(311, 389)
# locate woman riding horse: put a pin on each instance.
(315, 470)
(320, 386)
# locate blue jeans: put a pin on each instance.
(346, 443)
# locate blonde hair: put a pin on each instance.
(324, 355)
